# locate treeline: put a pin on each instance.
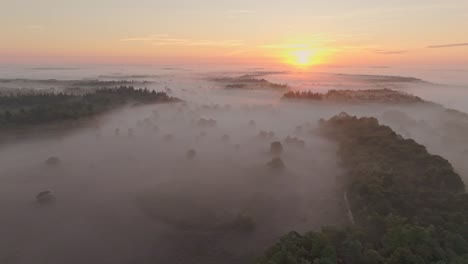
(386, 96)
(249, 82)
(30, 109)
(303, 95)
(409, 206)
(99, 83)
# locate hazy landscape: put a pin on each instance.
(234, 132)
(197, 178)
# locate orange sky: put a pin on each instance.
(298, 32)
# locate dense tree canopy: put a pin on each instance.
(385, 96)
(410, 206)
(29, 109)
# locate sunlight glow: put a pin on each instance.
(303, 57)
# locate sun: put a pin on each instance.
(302, 58)
(305, 56)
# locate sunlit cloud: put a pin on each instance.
(448, 45)
(245, 11)
(311, 41)
(34, 27)
(135, 39)
(389, 52)
(233, 14)
(166, 40)
(236, 52)
(284, 46)
(148, 38)
(160, 35)
(215, 43)
(198, 43)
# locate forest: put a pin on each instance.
(41, 108)
(409, 206)
(309, 95)
(386, 96)
(248, 82)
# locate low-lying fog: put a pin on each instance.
(128, 189)
(193, 182)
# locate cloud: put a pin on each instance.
(214, 43)
(34, 27)
(236, 52)
(160, 35)
(166, 40)
(134, 39)
(313, 41)
(233, 14)
(148, 38)
(241, 11)
(284, 46)
(389, 52)
(181, 42)
(448, 45)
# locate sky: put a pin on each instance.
(294, 32)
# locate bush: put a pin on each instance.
(276, 164)
(52, 161)
(45, 197)
(191, 154)
(276, 148)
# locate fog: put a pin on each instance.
(193, 182)
(136, 196)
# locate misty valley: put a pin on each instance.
(232, 167)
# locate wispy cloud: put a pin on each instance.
(166, 40)
(134, 39)
(160, 35)
(187, 42)
(241, 11)
(233, 14)
(148, 38)
(284, 46)
(34, 27)
(389, 52)
(236, 52)
(448, 45)
(311, 42)
(228, 43)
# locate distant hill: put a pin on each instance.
(249, 82)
